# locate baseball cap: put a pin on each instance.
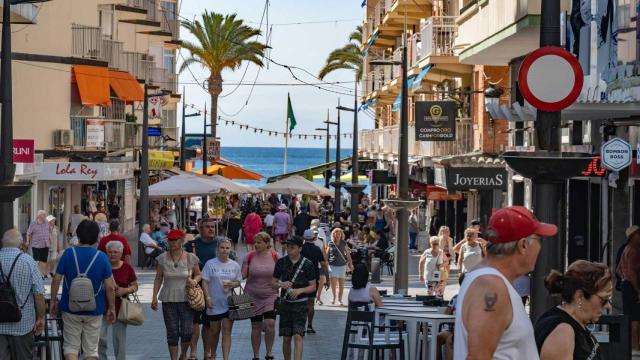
(175, 234)
(630, 230)
(309, 234)
(50, 217)
(514, 223)
(295, 240)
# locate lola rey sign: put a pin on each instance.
(550, 78)
(435, 120)
(616, 154)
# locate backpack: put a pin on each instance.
(616, 272)
(251, 254)
(10, 311)
(81, 294)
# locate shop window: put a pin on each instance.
(24, 212)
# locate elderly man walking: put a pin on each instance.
(20, 272)
(491, 321)
(39, 239)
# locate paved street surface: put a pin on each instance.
(148, 341)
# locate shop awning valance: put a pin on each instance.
(125, 86)
(93, 84)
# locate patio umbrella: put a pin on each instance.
(184, 185)
(293, 185)
(232, 187)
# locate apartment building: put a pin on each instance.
(79, 71)
(435, 73)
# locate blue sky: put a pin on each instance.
(305, 46)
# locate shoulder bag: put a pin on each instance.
(194, 294)
(277, 305)
(240, 305)
(131, 311)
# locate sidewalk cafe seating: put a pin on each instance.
(361, 333)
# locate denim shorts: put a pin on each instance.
(338, 271)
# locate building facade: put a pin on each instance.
(79, 70)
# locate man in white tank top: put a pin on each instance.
(491, 322)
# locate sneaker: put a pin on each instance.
(310, 330)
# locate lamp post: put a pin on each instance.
(401, 276)
(354, 188)
(9, 190)
(204, 204)
(337, 183)
(327, 156)
(183, 160)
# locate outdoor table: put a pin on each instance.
(435, 320)
(411, 325)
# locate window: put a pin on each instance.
(169, 9)
(626, 11)
(168, 118)
(169, 61)
(105, 19)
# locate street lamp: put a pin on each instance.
(327, 156)
(354, 188)
(9, 190)
(337, 184)
(401, 275)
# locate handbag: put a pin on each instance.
(194, 294)
(240, 305)
(131, 311)
(277, 304)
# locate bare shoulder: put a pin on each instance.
(487, 296)
(559, 344)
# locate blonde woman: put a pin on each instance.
(446, 245)
(56, 247)
(430, 267)
(339, 261)
(472, 252)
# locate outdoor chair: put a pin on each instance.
(361, 333)
(387, 260)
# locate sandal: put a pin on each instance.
(319, 302)
(310, 330)
(269, 357)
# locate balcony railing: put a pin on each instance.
(138, 64)
(171, 83)
(114, 112)
(385, 140)
(112, 52)
(169, 24)
(87, 41)
(116, 134)
(158, 77)
(152, 10)
(438, 36)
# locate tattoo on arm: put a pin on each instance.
(490, 300)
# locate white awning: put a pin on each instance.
(591, 110)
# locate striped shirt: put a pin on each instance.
(27, 282)
(39, 233)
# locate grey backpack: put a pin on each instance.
(81, 294)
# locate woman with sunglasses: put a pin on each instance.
(561, 333)
(176, 270)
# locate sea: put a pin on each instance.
(269, 161)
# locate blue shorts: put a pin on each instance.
(338, 271)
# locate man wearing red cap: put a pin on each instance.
(492, 322)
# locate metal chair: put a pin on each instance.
(374, 341)
(388, 259)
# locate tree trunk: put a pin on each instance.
(215, 89)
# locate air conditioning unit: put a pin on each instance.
(63, 137)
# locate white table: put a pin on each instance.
(435, 320)
(411, 325)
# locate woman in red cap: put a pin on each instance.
(176, 270)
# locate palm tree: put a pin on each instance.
(222, 42)
(348, 57)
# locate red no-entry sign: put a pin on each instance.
(550, 78)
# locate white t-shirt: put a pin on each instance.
(472, 256)
(215, 272)
(268, 220)
(148, 243)
(432, 265)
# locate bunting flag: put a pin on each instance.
(290, 115)
(364, 3)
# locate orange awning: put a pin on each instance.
(231, 172)
(93, 84)
(125, 86)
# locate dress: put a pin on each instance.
(252, 226)
(258, 284)
(175, 276)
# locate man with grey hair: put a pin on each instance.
(151, 247)
(39, 239)
(491, 321)
(21, 271)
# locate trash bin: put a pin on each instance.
(375, 270)
(613, 332)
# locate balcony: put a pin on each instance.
(148, 13)
(112, 52)
(169, 24)
(494, 32)
(138, 64)
(87, 42)
(387, 17)
(23, 13)
(103, 134)
(438, 35)
(384, 141)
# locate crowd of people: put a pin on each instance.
(196, 275)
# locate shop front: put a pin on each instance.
(63, 185)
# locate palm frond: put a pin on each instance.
(347, 57)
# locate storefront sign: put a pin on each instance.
(435, 120)
(95, 133)
(595, 168)
(23, 151)
(161, 160)
(616, 154)
(476, 178)
(88, 172)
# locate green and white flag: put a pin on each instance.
(290, 116)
